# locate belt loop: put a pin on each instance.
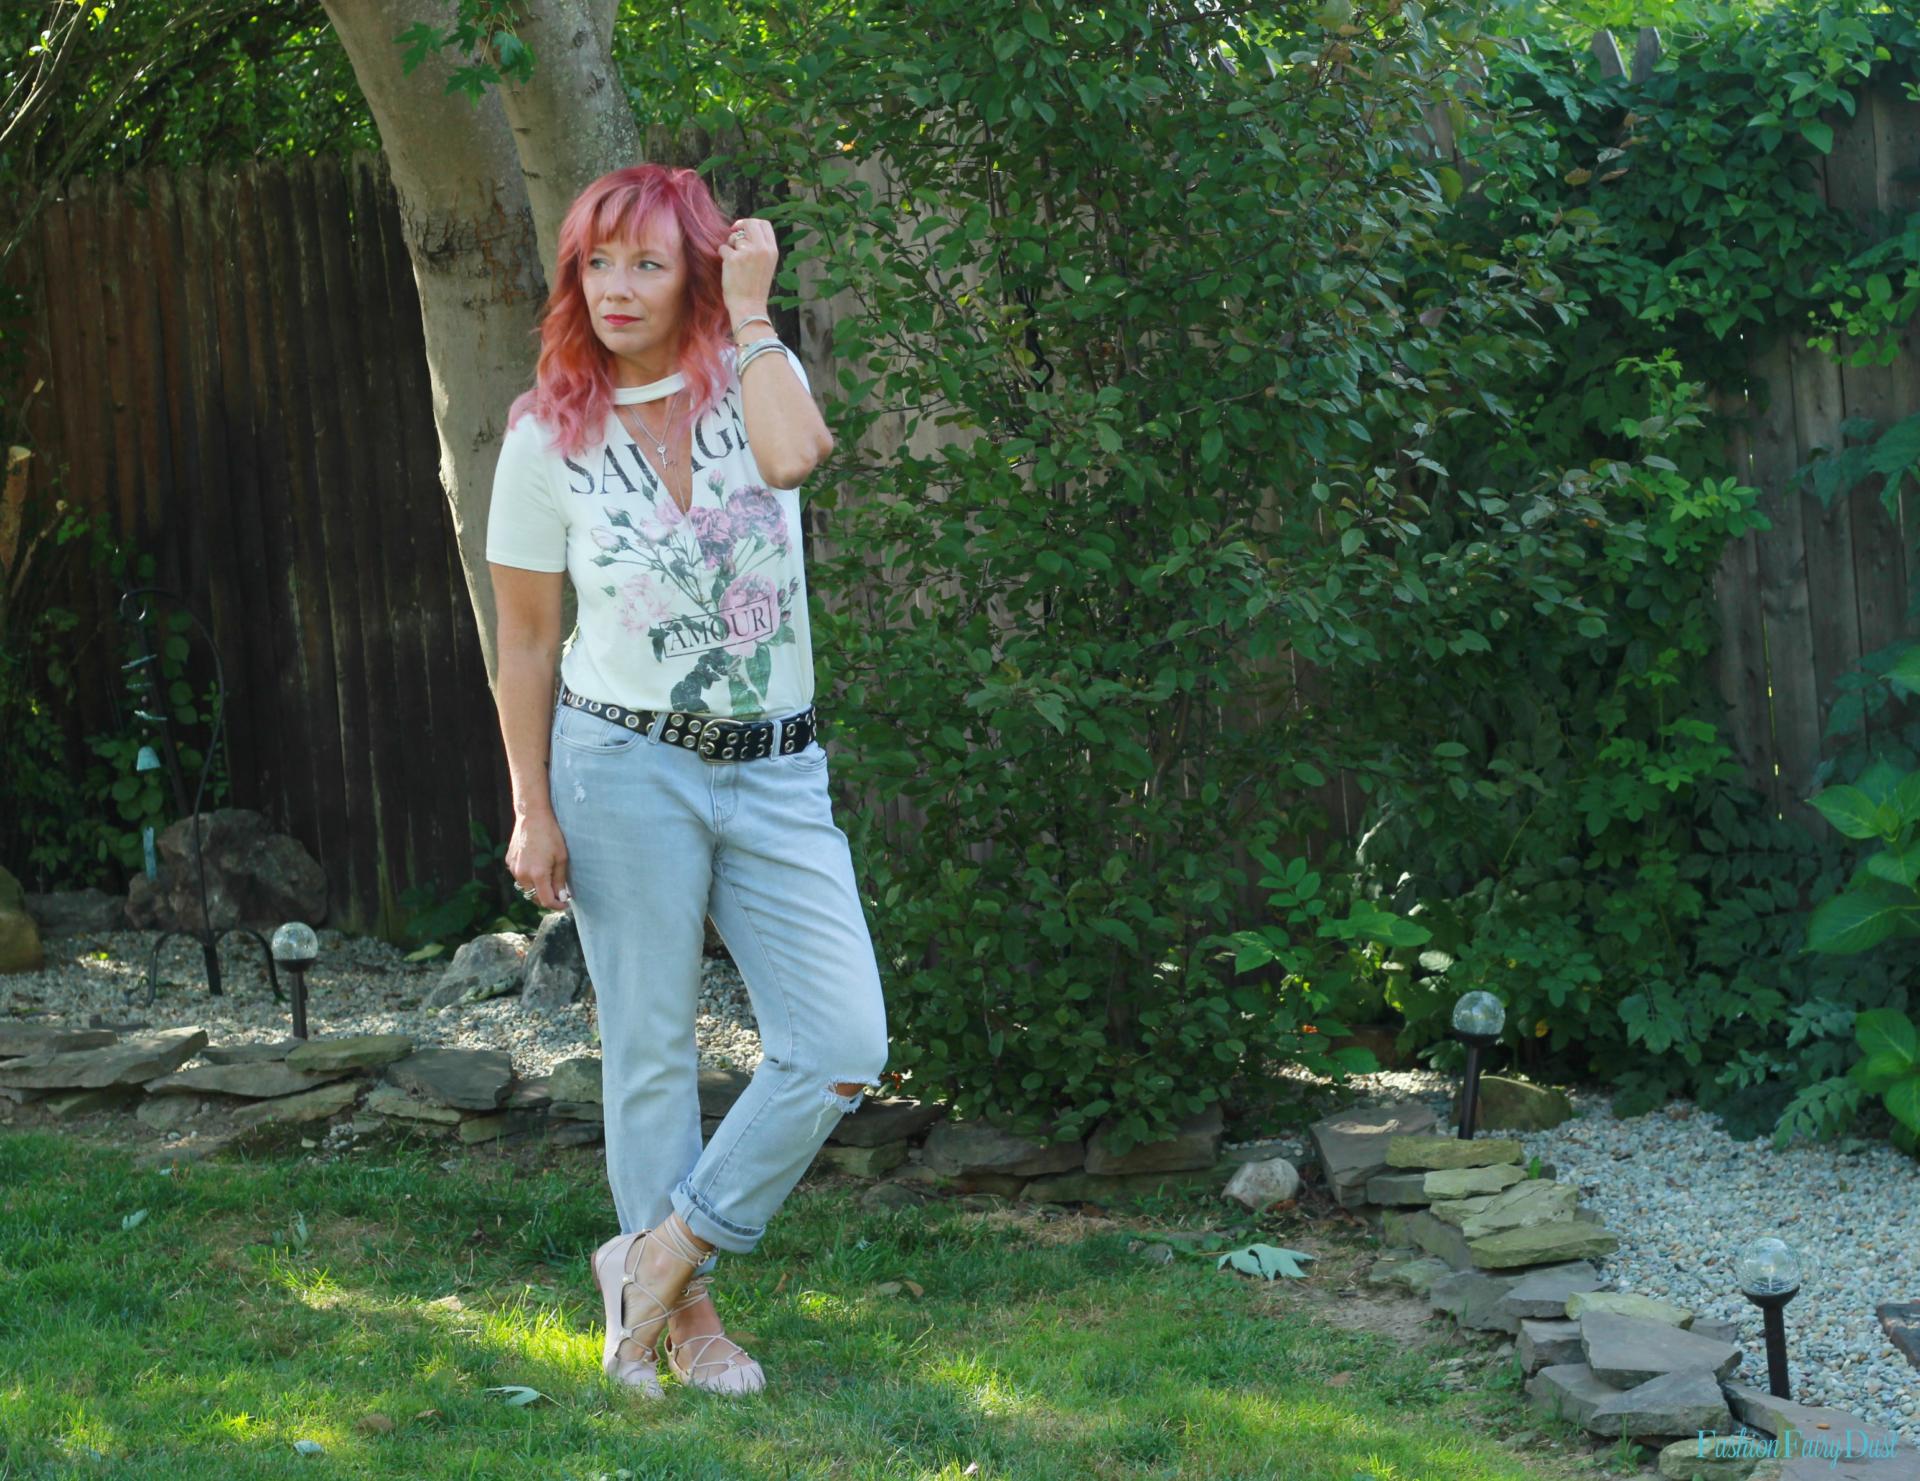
(658, 724)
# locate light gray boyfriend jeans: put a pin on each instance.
(657, 840)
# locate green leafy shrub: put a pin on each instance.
(439, 923)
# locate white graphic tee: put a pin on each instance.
(703, 611)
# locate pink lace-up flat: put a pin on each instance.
(736, 1373)
(640, 1371)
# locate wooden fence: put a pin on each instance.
(236, 376)
(1802, 602)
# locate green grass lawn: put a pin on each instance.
(270, 1298)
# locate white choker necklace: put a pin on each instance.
(653, 391)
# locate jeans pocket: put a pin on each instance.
(579, 730)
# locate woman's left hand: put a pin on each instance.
(748, 257)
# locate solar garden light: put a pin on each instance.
(1769, 1274)
(295, 947)
(1477, 1020)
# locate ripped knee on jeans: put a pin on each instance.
(842, 1096)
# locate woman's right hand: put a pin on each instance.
(537, 860)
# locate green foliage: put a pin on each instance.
(482, 32)
(437, 924)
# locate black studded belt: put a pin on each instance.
(713, 737)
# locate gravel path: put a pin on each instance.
(1681, 1195)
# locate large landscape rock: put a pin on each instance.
(255, 876)
(1542, 1244)
(556, 968)
(1258, 1186)
(1195, 1144)
(576, 1081)
(1504, 1104)
(1352, 1144)
(132, 1061)
(1628, 1350)
(66, 912)
(1436, 1152)
(20, 949)
(489, 966)
(1687, 1402)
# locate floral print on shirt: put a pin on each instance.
(724, 559)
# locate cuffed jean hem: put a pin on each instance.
(705, 1221)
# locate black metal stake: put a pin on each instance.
(1470, 1091)
(299, 970)
(1773, 1318)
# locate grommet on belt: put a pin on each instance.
(713, 737)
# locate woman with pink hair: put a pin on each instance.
(655, 464)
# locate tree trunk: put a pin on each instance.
(482, 188)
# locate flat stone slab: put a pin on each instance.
(311, 1105)
(390, 1100)
(249, 1053)
(892, 1119)
(1442, 1241)
(20, 1039)
(1624, 1303)
(259, 1081)
(1472, 1298)
(1760, 1410)
(131, 1061)
(578, 1079)
(967, 1148)
(1468, 1182)
(861, 1162)
(1435, 1152)
(349, 1052)
(1456, 1211)
(1398, 1189)
(1713, 1458)
(1525, 1204)
(1543, 1293)
(476, 1079)
(1723, 1331)
(1681, 1403)
(1194, 1144)
(719, 1088)
(1415, 1276)
(1352, 1144)
(1900, 1320)
(1627, 1351)
(1545, 1344)
(1542, 1244)
(1568, 1391)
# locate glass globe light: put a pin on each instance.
(1768, 1267)
(148, 760)
(1479, 1013)
(295, 945)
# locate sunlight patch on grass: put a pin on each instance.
(983, 1388)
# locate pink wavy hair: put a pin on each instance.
(573, 382)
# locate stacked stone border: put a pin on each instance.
(474, 1095)
(1507, 1249)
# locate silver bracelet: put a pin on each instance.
(756, 319)
(753, 352)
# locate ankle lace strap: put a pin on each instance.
(669, 1234)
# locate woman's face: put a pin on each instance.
(636, 293)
